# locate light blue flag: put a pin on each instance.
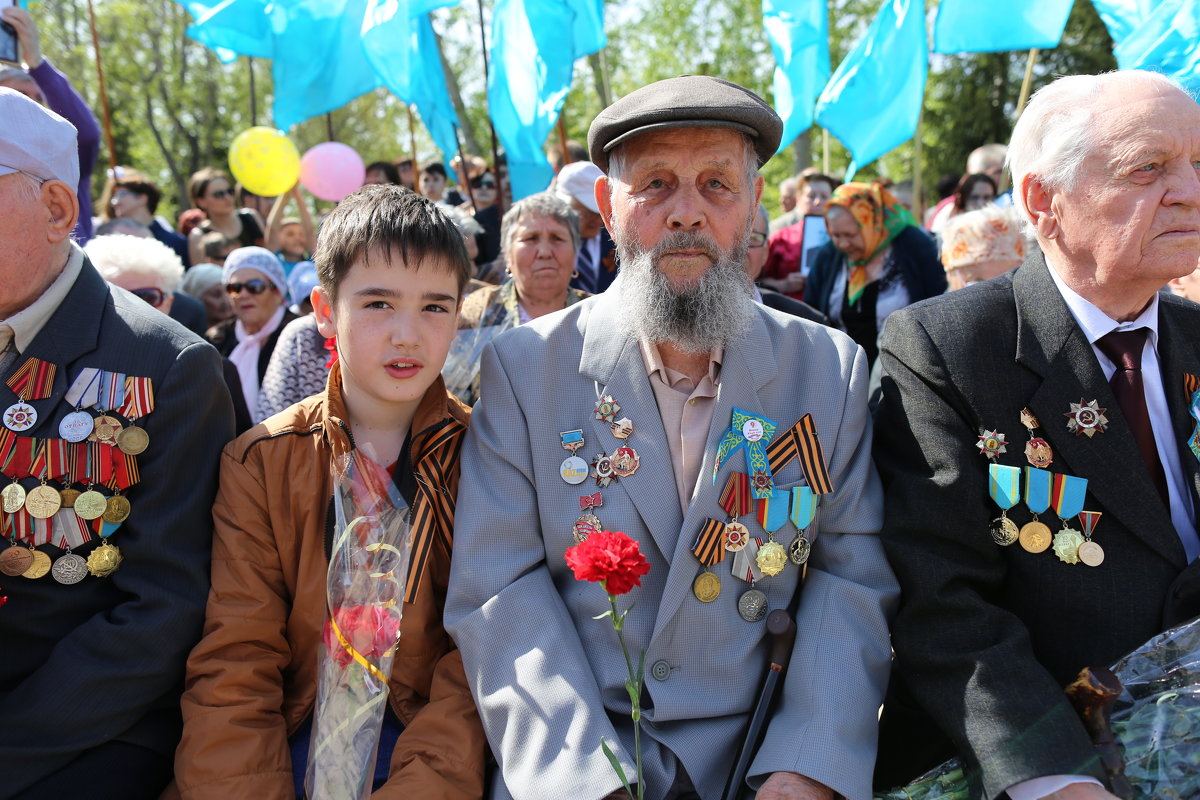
(1122, 17)
(1168, 41)
(991, 26)
(873, 101)
(232, 27)
(798, 31)
(534, 47)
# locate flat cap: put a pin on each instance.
(689, 101)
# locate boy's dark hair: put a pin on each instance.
(376, 220)
(435, 168)
(145, 188)
(390, 172)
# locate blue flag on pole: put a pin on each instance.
(798, 31)
(1122, 17)
(1167, 41)
(534, 47)
(991, 26)
(873, 101)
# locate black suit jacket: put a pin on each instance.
(987, 636)
(103, 660)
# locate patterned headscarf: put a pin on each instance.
(989, 234)
(879, 217)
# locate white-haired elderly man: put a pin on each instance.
(662, 382)
(114, 425)
(1061, 390)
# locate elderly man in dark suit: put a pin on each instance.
(1072, 368)
(106, 556)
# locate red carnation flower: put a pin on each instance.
(370, 630)
(609, 558)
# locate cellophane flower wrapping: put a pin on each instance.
(1156, 721)
(461, 369)
(368, 566)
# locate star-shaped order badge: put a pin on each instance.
(1086, 418)
(754, 433)
(991, 444)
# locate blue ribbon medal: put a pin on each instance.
(754, 433)
(803, 511)
(1004, 487)
(1035, 535)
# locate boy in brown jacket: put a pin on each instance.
(391, 268)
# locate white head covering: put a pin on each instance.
(261, 259)
(249, 345)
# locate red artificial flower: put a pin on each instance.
(370, 630)
(609, 558)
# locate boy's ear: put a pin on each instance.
(322, 305)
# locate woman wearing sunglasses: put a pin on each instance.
(256, 285)
(212, 192)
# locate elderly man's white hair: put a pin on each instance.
(117, 255)
(1054, 136)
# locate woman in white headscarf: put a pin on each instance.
(256, 285)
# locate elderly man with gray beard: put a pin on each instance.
(667, 408)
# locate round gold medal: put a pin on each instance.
(105, 429)
(1004, 531)
(68, 497)
(14, 497)
(104, 560)
(39, 567)
(706, 587)
(116, 510)
(43, 502)
(15, 560)
(1035, 537)
(90, 504)
(133, 440)
(1091, 554)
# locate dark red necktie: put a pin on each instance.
(1124, 349)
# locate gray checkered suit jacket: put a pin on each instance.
(550, 680)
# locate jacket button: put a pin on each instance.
(661, 670)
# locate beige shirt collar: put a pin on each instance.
(24, 326)
(654, 363)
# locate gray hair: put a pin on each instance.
(126, 227)
(465, 223)
(984, 155)
(542, 204)
(29, 188)
(14, 75)
(117, 255)
(788, 183)
(1055, 135)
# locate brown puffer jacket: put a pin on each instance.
(252, 680)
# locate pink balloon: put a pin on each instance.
(331, 170)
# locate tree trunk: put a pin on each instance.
(802, 151)
(600, 78)
(464, 122)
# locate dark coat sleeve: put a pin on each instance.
(825, 271)
(917, 257)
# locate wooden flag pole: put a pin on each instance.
(412, 146)
(491, 127)
(329, 125)
(253, 94)
(562, 137)
(108, 137)
(1026, 85)
(825, 152)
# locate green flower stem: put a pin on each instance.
(635, 692)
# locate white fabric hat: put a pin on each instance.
(577, 180)
(36, 141)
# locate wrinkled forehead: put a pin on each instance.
(684, 147)
(1150, 120)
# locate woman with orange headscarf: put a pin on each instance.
(877, 261)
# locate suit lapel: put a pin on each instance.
(1050, 343)
(1178, 338)
(72, 331)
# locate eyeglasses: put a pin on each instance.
(757, 239)
(255, 286)
(151, 295)
(483, 184)
(220, 193)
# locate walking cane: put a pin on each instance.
(782, 631)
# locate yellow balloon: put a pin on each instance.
(264, 161)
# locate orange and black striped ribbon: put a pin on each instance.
(709, 547)
(33, 380)
(1191, 384)
(37, 465)
(139, 397)
(432, 520)
(75, 454)
(124, 469)
(801, 441)
(735, 497)
(8, 445)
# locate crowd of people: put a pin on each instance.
(909, 390)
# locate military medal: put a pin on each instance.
(602, 470)
(112, 395)
(607, 408)
(752, 433)
(68, 569)
(76, 426)
(117, 508)
(38, 567)
(13, 496)
(571, 440)
(991, 444)
(84, 392)
(587, 523)
(90, 504)
(43, 502)
(573, 470)
(132, 440)
(33, 380)
(1037, 449)
(139, 401)
(15, 560)
(1004, 486)
(772, 514)
(1067, 496)
(735, 501)
(1036, 535)
(104, 560)
(1090, 553)
(709, 550)
(752, 605)
(105, 429)
(803, 511)
(622, 428)
(1086, 419)
(67, 497)
(625, 462)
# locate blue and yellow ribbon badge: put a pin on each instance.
(754, 433)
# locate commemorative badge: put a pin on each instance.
(622, 428)
(1037, 449)
(709, 549)
(1090, 552)
(991, 444)
(1004, 487)
(1191, 387)
(607, 409)
(625, 461)
(1068, 493)
(752, 433)
(33, 380)
(1035, 536)
(602, 470)
(1086, 418)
